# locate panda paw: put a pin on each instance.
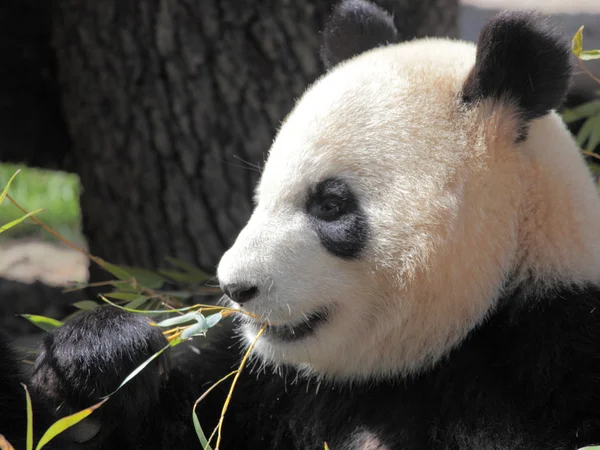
(90, 356)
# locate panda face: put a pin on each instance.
(407, 189)
(361, 184)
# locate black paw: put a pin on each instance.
(90, 356)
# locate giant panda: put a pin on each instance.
(423, 250)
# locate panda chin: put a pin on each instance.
(296, 331)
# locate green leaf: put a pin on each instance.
(126, 287)
(18, 221)
(594, 168)
(184, 277)
(127, 296)
(29, 444)
(577, 42)
(595, 447)
(117, 271)
(584, 132)
(5, 191)
(146, 278)
(141, 367)
(214, 319)
(195, 330)
(583, 111)
(67, 422)
(147, 311)
(204, 323)
(136, 303)
(201, 437)
(594, 138)
(325, 446)
(588, 55)
(86, 305)
(186, 267)
(182, 295)
(45, 323)
(178, 320)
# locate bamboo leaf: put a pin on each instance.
(86, 305)
(594, 168)
(29, 443)
(146, 278)
(183, 277)
(197, 329)
(182, 295)
(186, 267)
(117, 271)
(7, 187)
(577, 42)
(45, 323)
(123, 286)
(139, 368)
(214, 319)
(127, 296)
(584, 132)
(178, 320)
(583, 111)
(67, 422)
(201, 436)
(147, 311)
(588, 55)
(594, 138)
(15, 222)
(136, 303)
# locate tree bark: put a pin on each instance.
(172, 103)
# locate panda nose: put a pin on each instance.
(240, 293)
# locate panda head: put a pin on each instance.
(410, 186)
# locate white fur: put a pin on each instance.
(453, 206)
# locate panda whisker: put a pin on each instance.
(222, 301)
(247, 167)
(250, 166)
(269, 289)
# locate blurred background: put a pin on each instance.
(140, 126)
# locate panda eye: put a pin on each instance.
(330, 209)
(330, 200)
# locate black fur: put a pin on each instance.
(338, 219)
(84, 361)
(526, 379)
(521, 58)
(355, 27)
(13, 418)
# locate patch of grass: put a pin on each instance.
(56, 192)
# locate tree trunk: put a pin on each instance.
(172, 103)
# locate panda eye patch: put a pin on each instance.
(336, 216)
(330, 200)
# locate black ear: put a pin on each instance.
(355, 27)
(522, 58)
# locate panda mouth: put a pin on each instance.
(300, 330)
